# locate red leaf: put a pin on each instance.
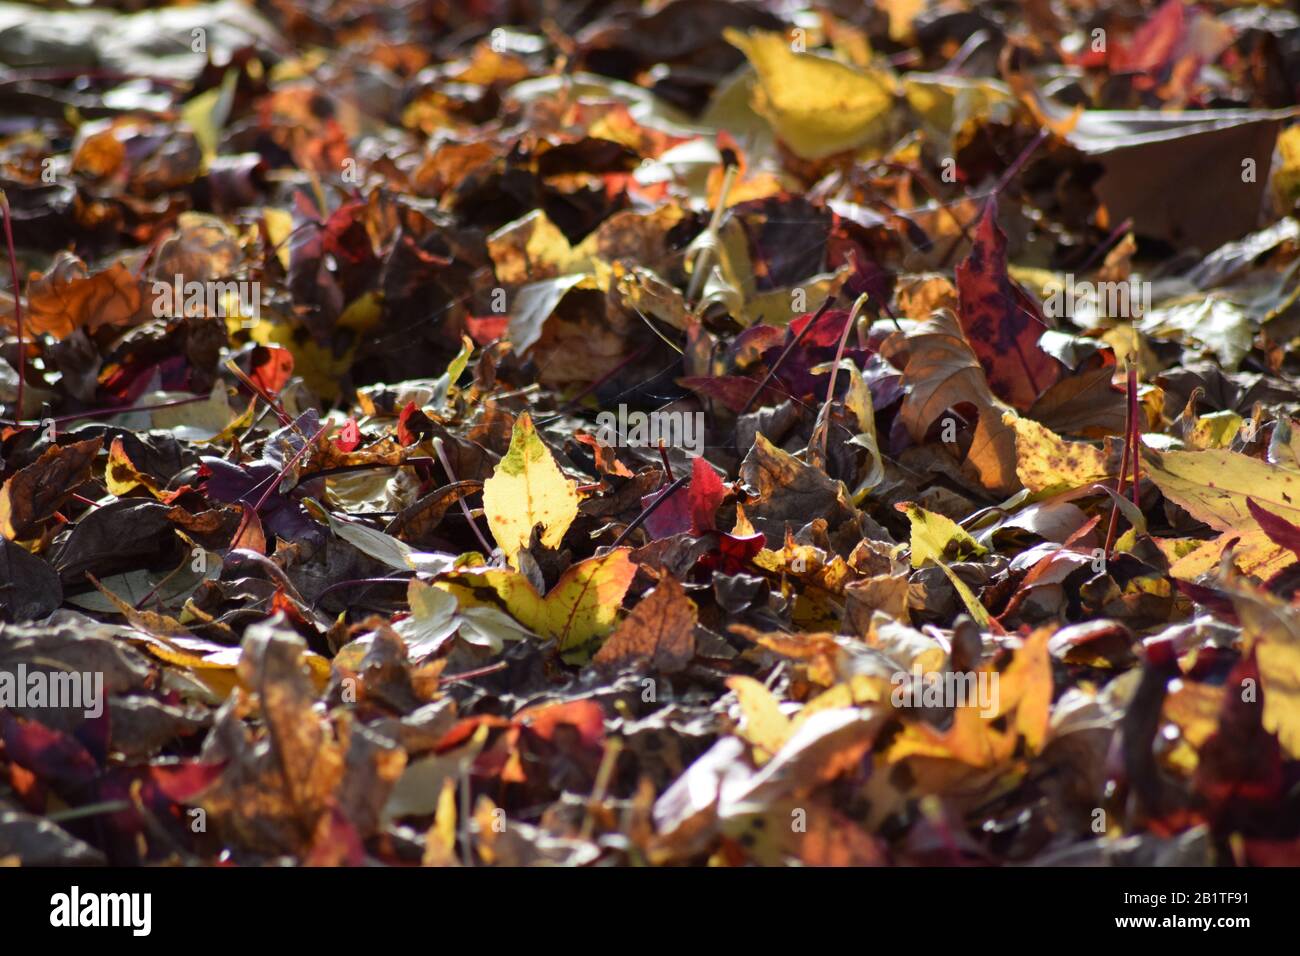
(1153, 46)
(272, 368)
(705, 494)
(733, 391)
(586, 716)
(671, 517)
(693, 511)
(412, 424)
(183, 781)
(1001, 321)
(50, 754)
(734, 552)
(486, 329)
(1240, 769)
(1279, 530)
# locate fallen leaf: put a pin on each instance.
(527, 489)
(660, 629)
(1002, 323)
(581, 608)
(34, 493)
(816, 105)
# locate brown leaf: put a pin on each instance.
(278, 784)
(34, 493)
(661, 628)
(68, 297)
(941, 372)
(791, 493)
(1086, 404)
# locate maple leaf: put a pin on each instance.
(932, 536)
(762, 723)
(1045, 460)
(941, 372)
(1224, 489)
(984, 737)
(693, 511)
(581, 607)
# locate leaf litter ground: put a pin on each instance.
(679, 433)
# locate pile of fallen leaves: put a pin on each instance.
(584, 433)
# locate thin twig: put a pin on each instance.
(1119, 484)
(451, 476)
(704, 261)
(1135, 429)
(835, 371)
(821, 310)
(650, 509)
(18, 303)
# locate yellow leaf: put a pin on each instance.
(946, 103)
(582, 607)
(901, 14)
(1253, 553)
(207, 113)
(762, 725)
(204, 422)
(1272, 628)
(1216, 430)
(213, 665)
(279, 226)
(932, 534)
(1286, 179)
(440, 840)
(528, 489)
(981, 736)
(1046, 460)
(858, 691)
(363, 314)
(1195, 709)
(818, 106)
(1212, 486)
(121, 475)
(533, 248)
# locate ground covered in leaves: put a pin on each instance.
(486, 432)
